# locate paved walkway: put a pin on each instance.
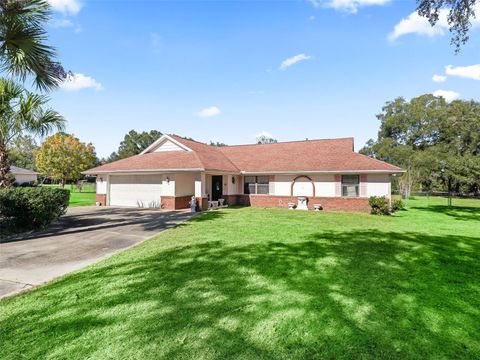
(81, 237)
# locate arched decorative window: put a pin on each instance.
(304, 180)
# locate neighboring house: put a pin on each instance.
(173, 169)
(22, 175)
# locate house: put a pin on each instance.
(23, 176)
(173, 169)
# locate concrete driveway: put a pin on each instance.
(81, 237)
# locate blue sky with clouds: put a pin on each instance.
(229, 70)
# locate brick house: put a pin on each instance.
(173, 169)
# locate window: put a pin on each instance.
(255, 184)
(262, 184)
(249, 185)
(350, 185)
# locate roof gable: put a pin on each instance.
(210, 156)
(165, 143)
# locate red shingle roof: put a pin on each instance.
(210, 156)
(153, 161)
(308, 155)
(294, 156)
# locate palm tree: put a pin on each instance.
(23, 50)
(22, 112)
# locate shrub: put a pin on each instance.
(397, 205)
(26, 184)
(379, 205)
(31, 208)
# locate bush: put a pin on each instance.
(379, 205)
(26, 184)
(31, 208)
(397, 205)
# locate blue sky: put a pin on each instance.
(212, 70)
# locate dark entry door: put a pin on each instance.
(217, 184)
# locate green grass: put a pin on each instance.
(84, 198)
(255, 284)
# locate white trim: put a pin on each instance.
(322, 172)
(119, 172)
(159, 141)
(107, 198)
(220, 172)
(214, 172)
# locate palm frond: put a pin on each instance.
(9, 89)
(34, 118)
(48, 121)
(22, 111)
(23, 48)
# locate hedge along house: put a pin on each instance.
(173, 169)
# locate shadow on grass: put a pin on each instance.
(359, 294)
(466, 213)
(208, 216)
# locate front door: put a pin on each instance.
(217, 185)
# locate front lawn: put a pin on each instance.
(84, 198)
(255, 284)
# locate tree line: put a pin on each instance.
(437, 143)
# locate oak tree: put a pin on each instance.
(63, 157)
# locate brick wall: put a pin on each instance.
(183, 202)
(231, 199)
(175, 202)
(328, 203)
(168, 202)
(101, 198)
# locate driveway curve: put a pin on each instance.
(80, 238)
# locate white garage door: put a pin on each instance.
(135, 190)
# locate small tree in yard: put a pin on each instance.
(63, 157)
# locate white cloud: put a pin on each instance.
(469, 72)
(264, 133)
(78, 82)
(62, 23)
(69, 7)
(448, 95)
(416, 24)
(66, 23)
(208, 112)
(293, 60)
(439, 78)
(350, 6)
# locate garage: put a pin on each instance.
(136, 190)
